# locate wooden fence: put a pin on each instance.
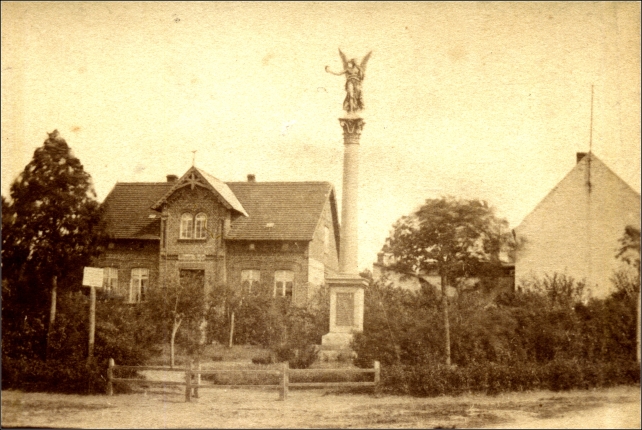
(192, 380)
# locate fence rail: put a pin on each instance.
(192, 380)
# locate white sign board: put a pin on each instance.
(92, 277)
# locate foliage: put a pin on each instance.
(492, 378)
(561, 290)
(627, 279)
(501, 342)
(50, 222)
(50, 229)
(122, 332)
(289, 330)
(454, 237)
(179, 305)
(629, 251)
(262, 359)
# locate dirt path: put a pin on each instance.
(616, 407)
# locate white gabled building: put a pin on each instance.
(575, 229)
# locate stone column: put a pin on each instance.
(349, 248)
(346, 289)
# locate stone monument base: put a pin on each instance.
(346, 315)
(335, 344)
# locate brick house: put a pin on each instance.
(281, 234)
(576, 228)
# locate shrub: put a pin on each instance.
(63, 376)
(492, 379)
(262, 359)
(122, 333)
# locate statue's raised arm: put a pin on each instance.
(354, 76)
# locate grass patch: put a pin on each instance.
(309, 375)
(52, 406)
(211, 353)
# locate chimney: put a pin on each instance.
(580, 155)
(172, 178)
(251, 178)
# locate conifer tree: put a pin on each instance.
(51, 222)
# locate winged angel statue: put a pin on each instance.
(354, 76)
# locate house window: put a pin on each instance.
(200, 226)
(326, 240)
(110, 279)
(250, 280)
(187, 226)
(283, 282)
(138, 285)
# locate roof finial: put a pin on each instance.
(194, 157)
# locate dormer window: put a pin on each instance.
(187, 226)
(193, 227)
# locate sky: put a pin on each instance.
(473, 100)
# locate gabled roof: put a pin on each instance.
(196, 177)
(273, 210)
(281, 210)
(590, 157)
(128, 209)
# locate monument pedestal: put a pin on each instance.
(346, 314)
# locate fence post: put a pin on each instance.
(188, 382)
(377, 376)
(198, 377)
(285, 380)
(110, 376)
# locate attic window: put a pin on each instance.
(252, 247)
(269, 225)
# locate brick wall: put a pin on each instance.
(126, 255)
(268, 257)
(195, 254)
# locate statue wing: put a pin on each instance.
(344, 59)
(364, 62)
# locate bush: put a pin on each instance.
(63, 376)
(298, 358)
(122, 333)
(262, 359)
(492, 379)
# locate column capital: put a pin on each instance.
(352, 128)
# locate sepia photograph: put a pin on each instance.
(320, 214)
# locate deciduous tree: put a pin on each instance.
(455, 237)
(179, 304)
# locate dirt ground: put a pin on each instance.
(252, 408)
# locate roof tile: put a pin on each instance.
(277, 210)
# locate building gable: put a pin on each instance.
(195, 177)
(576, 227)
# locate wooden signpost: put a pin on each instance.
(92, 278)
